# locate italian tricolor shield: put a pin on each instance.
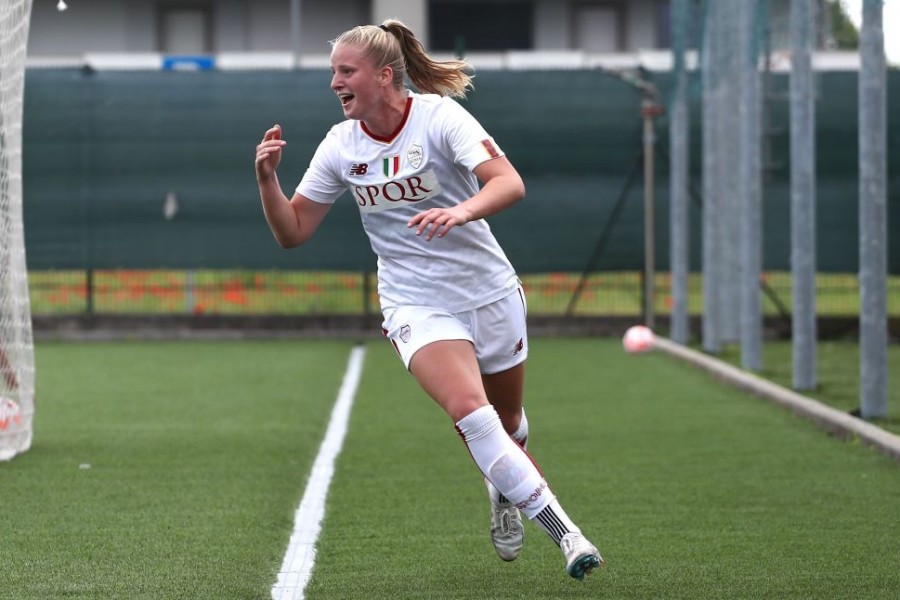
(390, 165)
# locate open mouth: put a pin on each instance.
(345, 98)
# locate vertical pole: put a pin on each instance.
(87, 196)
(190, 302)
(728, 165)
(295, 32)
(678, 181)
(750, 193)
(872, 214)
(647, 109)
(711, 335)
(803, 195)
(366, 292)
(89, 292)
(767, 95)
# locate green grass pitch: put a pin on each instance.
(837, 375)
(199, 453)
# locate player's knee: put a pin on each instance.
(463, 404)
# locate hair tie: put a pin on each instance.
(382, 27)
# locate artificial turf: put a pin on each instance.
(199, 452)
(837, 375)
(163, 470)
(690, 489)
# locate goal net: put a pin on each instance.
(16, 345)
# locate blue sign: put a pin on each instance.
(189, 63)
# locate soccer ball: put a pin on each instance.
(638, 339)
(10, 414)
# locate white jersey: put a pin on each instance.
(426, 163)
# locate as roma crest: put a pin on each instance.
(414, 155)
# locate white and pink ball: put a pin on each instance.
(638, 339)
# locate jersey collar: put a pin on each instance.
(396, 132)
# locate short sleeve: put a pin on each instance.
(322, 181)
(469, 143)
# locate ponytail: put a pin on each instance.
(393, 44)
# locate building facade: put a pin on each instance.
(305, 26)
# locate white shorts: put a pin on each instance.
(497, 331)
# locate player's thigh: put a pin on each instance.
(448, 372)
(437, 348)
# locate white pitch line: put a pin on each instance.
(300, 557)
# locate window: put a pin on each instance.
(596, 28)
(184, 30)
(663, 10)
(463, 26)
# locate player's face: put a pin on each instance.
(354, 80)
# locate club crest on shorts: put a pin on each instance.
(405, 333)
(414, 155)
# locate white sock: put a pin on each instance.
(521, 434)
(521, 437)
(503, 462)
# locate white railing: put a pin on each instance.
(651, 60)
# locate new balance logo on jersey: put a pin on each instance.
(400, 192)
(359, 168)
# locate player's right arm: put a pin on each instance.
(292, 221)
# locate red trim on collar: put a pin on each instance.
(396, 132)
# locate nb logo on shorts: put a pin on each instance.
(520, 345)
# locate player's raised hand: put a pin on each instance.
(268, 153)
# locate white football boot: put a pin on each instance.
(507, 531)
(581, 555)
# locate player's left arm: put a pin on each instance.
(502, 186)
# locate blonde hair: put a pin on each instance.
(393, 45)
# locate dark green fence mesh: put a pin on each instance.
(102, 150)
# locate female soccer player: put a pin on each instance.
(453, 306)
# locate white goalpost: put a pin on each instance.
(16, 343)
